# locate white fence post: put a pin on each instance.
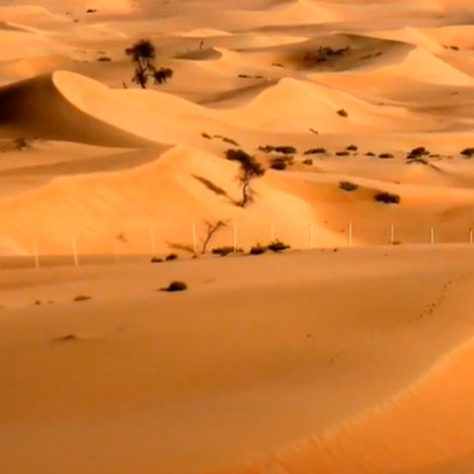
(75, 254)
(234, 237)
(432, 236)
(194, 237)
(350, 234)
(392, 234)
(471, 236)
(36, 257)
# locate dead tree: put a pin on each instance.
(211, 230)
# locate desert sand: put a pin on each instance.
(345, 354)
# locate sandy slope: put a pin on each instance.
(261, 353)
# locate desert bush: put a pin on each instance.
(352, 148)
(370, 153)
(226, 250)
(468, 152)
(156, 260)
(176, 286)
(315, 151)
(104, 59)
(266, 148)
(286, 150)
(387, 198)
(230, 140)
(279, 164)
(82, 298)
(257, 250)
(206, 135)
(278, 246)
(385, 155)
(348, 186)
(342, 153)
(342, 113)
(171, 256)
(308, 161)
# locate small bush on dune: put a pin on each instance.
(468, 152)
(278, 246)
(342, 113)
(286, 150)
(308, 161)
(258, 250)
(224, 251)
(156, 260)
(175, 286)
(385, 155)
(342, 153)
(278, 164)
(82, 298)
(348, 186)
(352, 148)
(171, 256)
(315, 151)
(387, 198)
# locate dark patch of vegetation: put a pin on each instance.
(286, 150)
(257, 250)
(171, 257)
(279, 164)
(104, 59)
(278, 246)
(387, 198)
(249, 170)
(315, 151)
(156, 260)
(230, 140)
(206, 136)
(175, 286)
(342, 113)
(370, 153)
(468, 152)
(342, 153)
(323, 54)
(308, 161)
(224, 251)
(82, 298)
(352, 148)
(143, 54)
(348, 186)
(385, 156)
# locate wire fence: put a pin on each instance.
(149, 240)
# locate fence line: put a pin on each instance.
(302, 234)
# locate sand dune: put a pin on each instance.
(324, 359)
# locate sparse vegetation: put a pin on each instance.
(82, 298)
(385, 156)
(224, 251)
(278, 246)
(315, 151)
(342, 113)
(352, 148)
(342, 153)
(211, 229)
(257, 250)
(171, 257)
(175, 286)
(143, 54)
(387, 198)
(308, 161)
(156, 260)
(468, 152)
(249, 170)
(323, 54)
(348, 186)
(286, 150)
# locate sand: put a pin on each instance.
(347, 354)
